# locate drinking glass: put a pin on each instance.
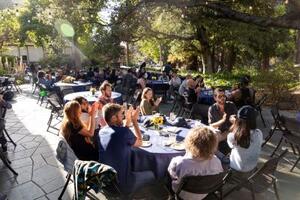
(172, 116)
(172, 138)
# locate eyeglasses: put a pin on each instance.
(221, 96)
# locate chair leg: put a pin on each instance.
(6, 163)
(277, 147)
(11, 140)
(252, 192)
(262, 118)
(42, 100)
(65, 186)
(34, 89)
(295, 164)
(271, 132)
(50, 121)
(276, 190)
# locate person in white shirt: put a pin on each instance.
(84, 104)
(164, 77)
(199, 160)
(245, 141)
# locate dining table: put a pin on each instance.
(77, 86)
(157, 156)
(91, 98)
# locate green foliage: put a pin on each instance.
(55, 61)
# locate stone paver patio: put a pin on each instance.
(42, 177)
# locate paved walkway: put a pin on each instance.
(41, 177)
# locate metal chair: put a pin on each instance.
(261, 179)
(209, 184)
(258, 106)
(3, 114)
(56, 110)
(276, 126)
(291, 135)
(7, 162)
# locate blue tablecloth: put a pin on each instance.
(156, 157)
(77, 86)
(117, 97)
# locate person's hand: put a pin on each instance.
(94, 108)
(135, 115)
(157, 102)
(232, 119)
(128, 116)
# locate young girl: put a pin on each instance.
(148, 105)
(199, 160)
(245, 141)
(77, 134)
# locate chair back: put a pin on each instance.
(269, 167)
(65, 155)
(55, 102)
(261, 101)
(203, 184)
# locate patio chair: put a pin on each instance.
(7, 162)
(291, 136)
(177, 103)
(258, 106)
(209, 184)
(187, 108)
(56, 110)
(66, 156)
(42, 93)
(261, 179)
(3, 114)
(276, 126)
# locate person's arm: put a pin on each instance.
(90, 129)
(220, 122)
(131, 117)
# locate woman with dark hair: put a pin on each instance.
(78, 134)
(148, 105)
(245, 140)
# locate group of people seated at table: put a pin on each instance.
(112, 142)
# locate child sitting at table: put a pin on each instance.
(199, 160)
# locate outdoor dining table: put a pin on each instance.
(77, 86)
(156, 157)
(117, 97)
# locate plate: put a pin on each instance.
(146, 144)
(178, 146)
(172, 129)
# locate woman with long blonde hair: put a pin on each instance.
(77, 134)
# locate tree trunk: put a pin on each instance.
(266, 62)
(298, 48)
(231, 58)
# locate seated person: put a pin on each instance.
(199, 82)
(84, 104)
(115, 143)
(148, 105)
(199, 160)
(174, 84)
(245, 141)
(77, 134)
(242, 95)
(220, 116)
(183, 87)
(105, 98)
(164, 77)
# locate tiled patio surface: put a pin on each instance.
(41, 177)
